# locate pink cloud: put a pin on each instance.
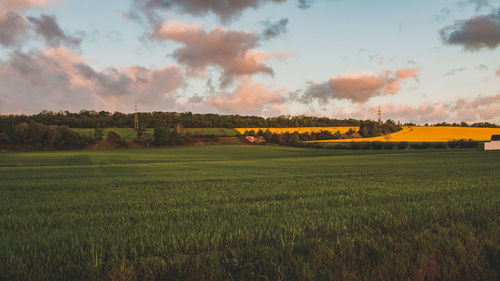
(249, 98)
(498, 72)
(16, 5)
(58, 79)
(232, 51)
(479, 109)
(359, 87)
(15, 29)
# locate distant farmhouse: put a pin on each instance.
(494, 144)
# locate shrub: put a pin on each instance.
(377, 145)
(420, 145)
(439, 145)
(115, 138)
(364, 145)
(468, 144)
(402, 145)
(452, 144)
(4, 138)
(389, 145)
(355, 145)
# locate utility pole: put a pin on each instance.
(379, 116)
(136, 119)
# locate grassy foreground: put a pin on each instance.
(250, 213)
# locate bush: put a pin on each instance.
(115, 138)
(420, 145)
(402, 145)
(389, 145)
(4, 138)
(438, 145)
(364, 145)
(468, 144)
(377, 145)
(463, 144)
(452, 144)
(355, 145)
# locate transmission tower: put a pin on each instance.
(136, 119)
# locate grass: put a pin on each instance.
(130, 133)
(250, 213)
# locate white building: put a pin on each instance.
(494, 144)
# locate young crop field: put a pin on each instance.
(300, 130)
(250, 213)
(430, 134)
(130, 133)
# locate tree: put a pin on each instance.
(294, 140)
(146, 139)
(160, 136)
(98, 134)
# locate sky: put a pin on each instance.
(419, 61)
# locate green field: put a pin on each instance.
(250, 213)
(130, 133)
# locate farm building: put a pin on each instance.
(494, 144)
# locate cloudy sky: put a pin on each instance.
(420, 61)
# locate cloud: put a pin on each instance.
(478, 3)
(47, 27)
(443, 15)
(223, 9)
(15, 29)
(498, 73)
(455, 70)
(405, 73)
(482, 67)
(358, 87)
(59, 79)
(272, 30)
(249, 98)
(479, 109)
(18, 5)
(232, 51)
(475, 33)
(304, 4)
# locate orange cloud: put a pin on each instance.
(408, 73)
(358, 87)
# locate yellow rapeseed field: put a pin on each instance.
(430, 134)
(300, 130)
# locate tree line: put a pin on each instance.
(104, 119)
